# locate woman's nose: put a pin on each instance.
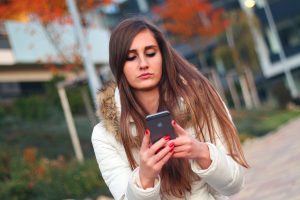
(143, 64)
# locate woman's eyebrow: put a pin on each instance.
(146, 48)
(151, 47)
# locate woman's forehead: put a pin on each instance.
(142, 40)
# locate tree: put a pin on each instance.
(197, 20)
(53, 16)
(240, 53)
(194, 22)
(49, 13)
(197, 23)
(46, 10)
(192, 18)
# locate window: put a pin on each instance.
(4, 42)
(289, 31)
(9, 89)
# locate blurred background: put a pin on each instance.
(54, 57)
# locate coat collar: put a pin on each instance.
(109, 110)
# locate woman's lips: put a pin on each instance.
(145, 75)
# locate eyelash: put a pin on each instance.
(151, 54)
(134, 57)
(130, 58)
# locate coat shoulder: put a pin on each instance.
(107, 109)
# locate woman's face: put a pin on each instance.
(143, 66)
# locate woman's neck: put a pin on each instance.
(149, 99)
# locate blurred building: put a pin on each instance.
(27, 51)
(22, 56)
(287, 21)
(278, 40)
(286, 16)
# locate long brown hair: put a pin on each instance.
(180, 80)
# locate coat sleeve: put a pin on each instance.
(122, 182)
(224, 175)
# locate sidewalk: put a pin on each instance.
(275, 165)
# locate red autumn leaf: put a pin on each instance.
(192, 18)
(45, 10)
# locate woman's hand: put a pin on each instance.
(188, 147)
(153, 157)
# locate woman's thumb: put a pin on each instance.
(178, 129)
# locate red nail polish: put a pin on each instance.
(173, 122)
(171, 145)
(167, 137)
(147, 132)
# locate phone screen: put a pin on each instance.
(160, 125)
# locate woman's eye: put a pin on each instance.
(130, 58)
(151, 54)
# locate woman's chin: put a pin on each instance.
(146, 88)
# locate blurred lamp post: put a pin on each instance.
(91, 74)
(249, 3)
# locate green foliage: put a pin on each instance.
(75, 99)
(281, 94)
(2, 114)
(30, 177)
(45, 106)
(15, 186)
(242, 54)
(36, 107)
(31, 108)
(58, 178)
(51, 137)
(51, 90)
(74, 181)
(260, 122)
(245, 136)
(224, 53)
(4, 166)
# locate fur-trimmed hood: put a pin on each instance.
(109, 110)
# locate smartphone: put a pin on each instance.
(160, 125)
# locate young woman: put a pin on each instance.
(205, 161)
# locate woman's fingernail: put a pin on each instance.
(172, 150)
(171, 145)
(167, 137)
(173, 122)
(147, 132)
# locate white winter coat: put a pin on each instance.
(224, 176)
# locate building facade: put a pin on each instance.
(28, 49)
(278, 40)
